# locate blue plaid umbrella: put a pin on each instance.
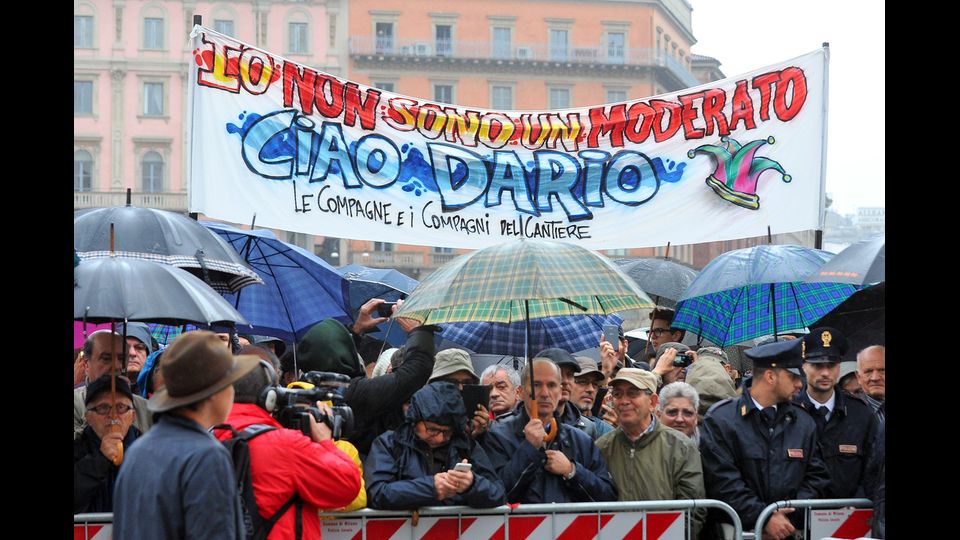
(166, 333)
(299, 289)
(748, 293)
(569, 332)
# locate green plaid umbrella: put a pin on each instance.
(496, 284)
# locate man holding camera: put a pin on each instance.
(377, 403)
(309, 473)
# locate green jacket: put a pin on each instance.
(661, 465)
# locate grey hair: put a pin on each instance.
(492, 370)
(679, 389)
(864, 352)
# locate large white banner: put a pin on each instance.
(308, 152)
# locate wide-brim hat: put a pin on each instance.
(450, 361)
(196, 366)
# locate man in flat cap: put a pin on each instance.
(759, 447)
(846, 425)
(177, 480)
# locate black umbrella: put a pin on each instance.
(861, 318)
(118, 288)
(659, 277)
(862, 263)
(164, 237)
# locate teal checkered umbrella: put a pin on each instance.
(748, 293)
(496, 284)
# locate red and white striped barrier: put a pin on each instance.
(620, 525)
(844, 523)
(92, 531)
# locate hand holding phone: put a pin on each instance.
(385, 309)
(463, 467)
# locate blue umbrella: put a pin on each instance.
(385, 283)
(299, 289)
(568, 332)
(748, 293)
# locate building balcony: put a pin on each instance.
(388, 259)
(174, 202)
(439, 259)
(492, 56)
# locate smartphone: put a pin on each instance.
(385, 309)
(611, 333)
(463, 467)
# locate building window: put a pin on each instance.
(558, 44)
(443, 36)
(616, 43)
(615, 95)
(152, 33)
(501, 97)
(298, 37)
(82, 171)
(384, 32)
(224, 26)
(383, 85)
(443, 93)
(83, 97)
(501, 42)
(382, 246)
(83, 31)
(559, 98)
(442, 250)
(153, 99)
(332, 21)
(152, 169)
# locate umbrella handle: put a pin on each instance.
(549, 427)
(117, 459)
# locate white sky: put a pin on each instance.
(745, 35)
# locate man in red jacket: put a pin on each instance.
(285, 462)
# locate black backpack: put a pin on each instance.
(257, 527)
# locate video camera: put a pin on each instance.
(298, 400)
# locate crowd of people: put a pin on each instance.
(675, 423)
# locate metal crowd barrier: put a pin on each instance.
(648, 520)
(839, 522)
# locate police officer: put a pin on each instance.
(759, 447)
(846, 425)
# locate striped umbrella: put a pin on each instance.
(748, 293)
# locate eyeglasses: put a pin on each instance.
(657, 332)
(686, 413)
(588, 382)
(104, 409)
(632, 393)
(433, 432)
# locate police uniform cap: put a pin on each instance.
(823, 345)
(779, 354)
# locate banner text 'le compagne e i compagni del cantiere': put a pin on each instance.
(309, 152)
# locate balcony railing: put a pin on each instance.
(532, 52)
(174, 202)
(388, 259)
(439, 259)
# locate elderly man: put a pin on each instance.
(677, 409)
(504, 384)
(760, 448)
(846, 425)
(872, 375)
(583, 393)
(101, 356)
(98, 451)
(178, 481)
(567, 469)
(649, 461)
(567, 412)
(416, 465)
(139, 346)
